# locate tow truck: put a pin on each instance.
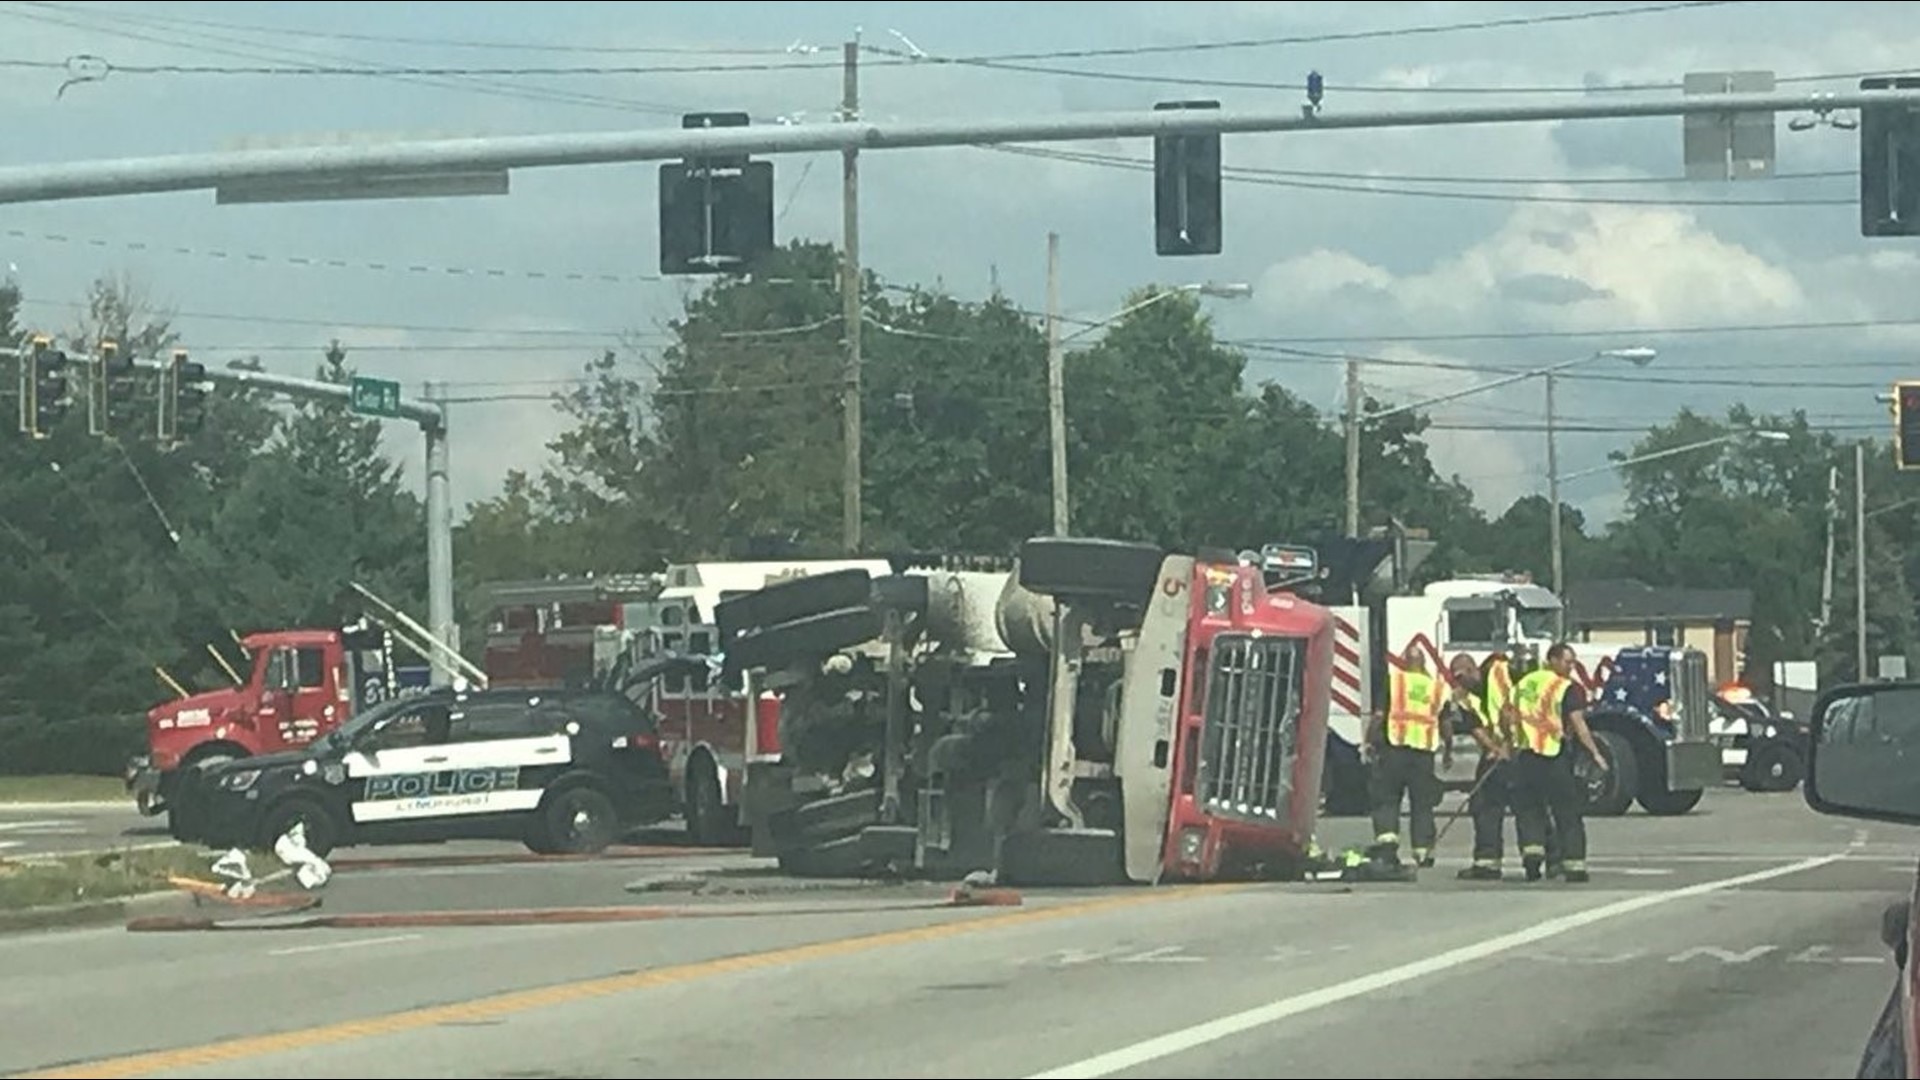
(1651, 707)
(1101, 712)
(302, 684)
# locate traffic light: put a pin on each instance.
(1906, 425)
(184, 407)
(1890, 162)
(716, 213)
(1186, 189)
(111, 400)
(48, 390)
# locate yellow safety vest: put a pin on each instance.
(1537, 701)
(1413, 718)
(1495, 696)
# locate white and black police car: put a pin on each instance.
(564, 771)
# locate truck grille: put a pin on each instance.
(1691, 695)
(1252, 718)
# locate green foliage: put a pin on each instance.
(124, 555)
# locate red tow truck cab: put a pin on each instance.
(302, 684)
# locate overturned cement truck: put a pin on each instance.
(1103, 712)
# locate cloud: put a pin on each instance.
(569, 248)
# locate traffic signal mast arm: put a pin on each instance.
(194, 172)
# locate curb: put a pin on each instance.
(94, 913)
(959, 898)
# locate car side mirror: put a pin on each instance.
(1864, 753)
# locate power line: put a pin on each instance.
(1322, 38)
(1247, 175)
(444, 43)
(890, 57)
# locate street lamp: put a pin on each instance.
(1057, 361)
(1554, 480)
(1639, 356)
(1673, 451)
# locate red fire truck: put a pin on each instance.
(1103, 712)
(711, 725)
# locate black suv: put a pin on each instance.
(565, 771)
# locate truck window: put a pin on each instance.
(310, 668)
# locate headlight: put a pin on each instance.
(239, 781)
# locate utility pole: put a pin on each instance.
(851, 302)
(1833, 535)
(1353, 447)
(1860, 560)
(1056, 389)
(1553, 512)
(439, 534)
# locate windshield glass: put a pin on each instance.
(1536, 624)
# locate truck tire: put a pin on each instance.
(708, 823)
(1114, 570)
(814, 637)
(1662, 801)
(790, 600)
(1611, 793)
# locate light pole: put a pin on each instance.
(1356, 420)
(1057, 363)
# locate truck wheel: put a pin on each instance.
(708, 823)
(1090, 569)
(1610, 793)
(790, 600)
(579, 820)
(323, 833)
(811, 638)
(1775, 767)
(1664, 802)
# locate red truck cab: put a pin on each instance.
(302, 684)
(1863, 756)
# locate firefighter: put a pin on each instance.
(1402, 744)
(1481, 708)
(1549, 704)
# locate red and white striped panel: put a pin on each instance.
(1348, 655)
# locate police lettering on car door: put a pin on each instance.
(414, 770)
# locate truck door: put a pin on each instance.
(296, 705)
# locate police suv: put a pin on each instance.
(564, 771)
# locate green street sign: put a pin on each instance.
(375, 397)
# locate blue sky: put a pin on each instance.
(1555, 241)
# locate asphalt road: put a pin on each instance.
(48, 828)
(1739, 941)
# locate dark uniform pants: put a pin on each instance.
(1399, 773)
(1549, 802)
(1492, 797)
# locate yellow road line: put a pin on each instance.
(500, 1006)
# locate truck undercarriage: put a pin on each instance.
(920, 737)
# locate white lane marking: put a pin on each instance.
(354, 944)
(9, 826)
(5, 844)
(1177, 1042)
